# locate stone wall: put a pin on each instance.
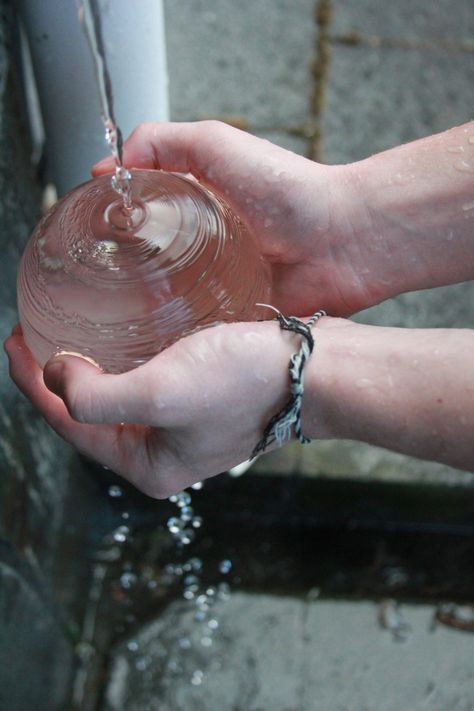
(41, 534)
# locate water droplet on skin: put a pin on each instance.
(402, 178)
(450, 235)
(468, 206)
(363, 383)
(268, 222)
(455, 149)
(463, 166)
(197, 486)
(471, 140)
(115, 491)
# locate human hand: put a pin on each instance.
(293, 206)
(196, 409)
(341, 238)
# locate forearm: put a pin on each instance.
(411, 391)
(413, 209)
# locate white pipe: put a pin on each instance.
(134, 39)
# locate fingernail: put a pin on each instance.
(53, 376)
(88, 359)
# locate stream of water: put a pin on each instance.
(89, 16)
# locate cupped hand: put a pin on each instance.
(294, 206)
(196, 409)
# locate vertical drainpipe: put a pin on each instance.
(134, 38)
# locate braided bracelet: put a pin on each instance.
(279, 428)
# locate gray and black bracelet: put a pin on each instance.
(279, 428)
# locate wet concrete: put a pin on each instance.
(287, 654)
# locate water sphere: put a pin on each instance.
(119, 285)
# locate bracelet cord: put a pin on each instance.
(279, 427)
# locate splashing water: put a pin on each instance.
(89, 17)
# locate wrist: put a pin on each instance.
(323, 410)
(406, 204)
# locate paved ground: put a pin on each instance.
(282, 654)
(335, 81)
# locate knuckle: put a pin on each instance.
(143, 130)
(213, 127)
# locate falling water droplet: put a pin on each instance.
(225, 566)
(197, 677)
(127, 580)
(196, 564)
(186, 513)
(186, 537)
(183, 499)
(121, 534)
(223, 591)
(115, 491)
(175, 525)
(141, 664)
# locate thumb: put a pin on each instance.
(206, 149)
(155, 145)
(92, 396)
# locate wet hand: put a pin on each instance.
(196, 409)
(294, 206)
